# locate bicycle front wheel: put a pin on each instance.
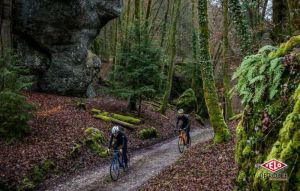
(114, 170)
(180, 144)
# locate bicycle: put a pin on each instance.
(182, 140)
(117, 164)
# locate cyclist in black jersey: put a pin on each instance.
(185, 123)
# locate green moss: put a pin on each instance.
(127, 119)
(267, 49)
(95, 135)
(241, 177)
(105, 116)
(222, 136)
(27, 184)
(104, 154)
(95, 111)
(148, 133)
(187, 101)
(239, 150)
(75, 150)
(281, 140)
(236, 117)
(285, 48)
(221, 131)
(247, 151)
(94, 139)
(288, 142)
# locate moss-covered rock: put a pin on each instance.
(94, 139)
(285, 48)
(187, 101)
(148, 133)
(94, 134)
(269, 128)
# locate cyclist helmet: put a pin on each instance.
(115, 130)
(180, 111)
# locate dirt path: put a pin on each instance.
(145, 164)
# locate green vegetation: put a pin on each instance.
(210, 92)
(242, 27)
(94, 139)
(171, 50)
(106, 116)
(225, 67)
(187, 101)
(257, 75)
(37, 175)
(137, 73)
(14, 110)
(148, 133)
(75, 150)
(268, 83)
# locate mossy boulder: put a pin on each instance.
(148, 133)
(187, 101)
(94, 134)
(94, 139)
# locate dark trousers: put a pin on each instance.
(124, 152)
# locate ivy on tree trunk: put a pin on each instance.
(241, 25)
(210, 92)
(226, 77)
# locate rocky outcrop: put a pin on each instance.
(52, 38)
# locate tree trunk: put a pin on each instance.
(164, 27)
(115, 49)
(140, 106)
(132, 104)
(280, 20)
(210, 92)
(5, 26)
(128, 13)
(137, 10)
(194, 43)
(226, 77)
(148, 9)
(162, 42)
(263, 14)
(172, 53)
(294, 12)
(242, 27)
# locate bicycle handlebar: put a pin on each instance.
(180, 129)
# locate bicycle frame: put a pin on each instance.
(183, 136)
(117, 157)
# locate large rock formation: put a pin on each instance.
(52, 37)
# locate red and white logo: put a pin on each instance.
(273, 165)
